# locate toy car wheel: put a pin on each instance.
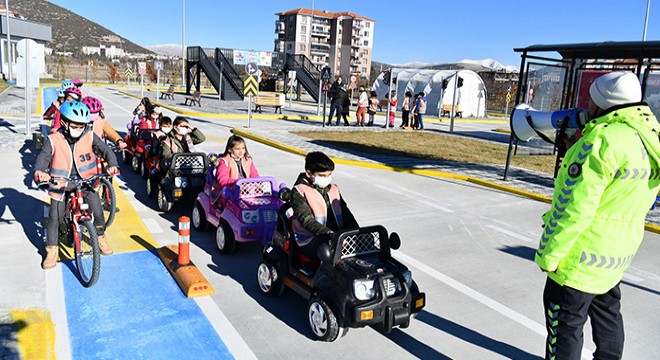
(152, 186)
(268, 277)
(224, 237)
(143, 170)
(125, 156)
(163, 204)
(199, 218)
(323, 321)
(135, 164)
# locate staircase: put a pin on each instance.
(232, 85)
(307, 73)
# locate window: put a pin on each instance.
(303, 47)
(364, 70)
(366, 43)
(366, 33)
(288, 46)
(303, 19)
(368, 24)
(303, 38)
(303, 29)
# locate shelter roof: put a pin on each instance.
(601, 50)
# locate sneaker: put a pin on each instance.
(391, 125)
(52, 253)
(104, 246)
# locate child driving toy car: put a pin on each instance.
(236, 163)
(313, 200)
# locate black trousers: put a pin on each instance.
(404, 117)
(56, 215)
(566, 311)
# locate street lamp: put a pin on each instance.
(183, 44)
(9, 52)
(646, 20)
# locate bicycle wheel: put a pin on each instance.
(108, 201)
(88, 255)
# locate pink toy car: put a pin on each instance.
(245, 212)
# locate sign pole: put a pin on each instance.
(222, 70)
(249, 111)
(389, 98)
(453, 103)
(28, 87)
(141, 86)
(325, 99)
(157, 84)
(318, 105)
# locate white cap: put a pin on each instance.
(616, 88)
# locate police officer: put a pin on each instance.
(603, 192)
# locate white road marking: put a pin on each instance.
(235, 343)
(55, 303)
(483, 299)
(510, 233)
(152, 226)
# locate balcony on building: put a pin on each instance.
(321, 31)
(279, 45)
(320, 48)
(280, 27)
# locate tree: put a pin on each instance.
(151, 72)
(62, 65)
(113, 74)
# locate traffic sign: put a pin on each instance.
(142, 68)
(326, 86)
(158, 65)
(90, 63)
(251, 68)
(128, 72)
(508, 88)
(250, 86)
(129, 65)
(354, 79)
(508, 97)
(325, 73)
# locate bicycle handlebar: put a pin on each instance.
(77, 181)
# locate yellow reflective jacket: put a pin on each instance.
(607, 183)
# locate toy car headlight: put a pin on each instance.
(180, 182)
(364, 289)
(250, 216)
(407, 275)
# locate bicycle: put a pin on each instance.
(106, 191)
(79, 229)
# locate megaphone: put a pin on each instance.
(527, 121)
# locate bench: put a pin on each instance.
(169, 94)
(196, 96)
(275, 101)
(446, 110)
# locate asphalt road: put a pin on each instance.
(469, 248)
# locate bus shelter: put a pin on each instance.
(548, 82)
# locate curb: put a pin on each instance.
(436, 173)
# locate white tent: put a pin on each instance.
(470, 98)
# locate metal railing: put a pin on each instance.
(231, 75)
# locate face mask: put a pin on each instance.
(166, 130)
(183, 131)
(154, 117)
(75, 133)
(322, 181)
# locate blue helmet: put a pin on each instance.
(67, 84)
(60, 93)
(75, 111)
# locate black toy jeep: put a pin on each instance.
(184, 179)
(355, 281)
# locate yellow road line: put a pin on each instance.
(35, 333)
(436, 173)
(128, 232)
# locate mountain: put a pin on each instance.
(166, 49)
(68, 28)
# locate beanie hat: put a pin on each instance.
(615, 88)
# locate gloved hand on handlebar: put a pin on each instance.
(40, 176)
(112, 170)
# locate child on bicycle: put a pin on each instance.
(99, 125)
(319, 209)
(69, 152)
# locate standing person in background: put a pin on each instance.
(596, 223)
(393, 102)
(405, 109)
(336, 100)
(373, 106)
(346, 108)
(419, 110)
(363, 102)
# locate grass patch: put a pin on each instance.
(3, 85)
(432, 146)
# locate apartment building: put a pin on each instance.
(343, 41)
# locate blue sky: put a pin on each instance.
(427, 31)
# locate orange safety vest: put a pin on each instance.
(175, 148)
(246, 161)
(97, 127)
(62, 159)
(317, 204)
